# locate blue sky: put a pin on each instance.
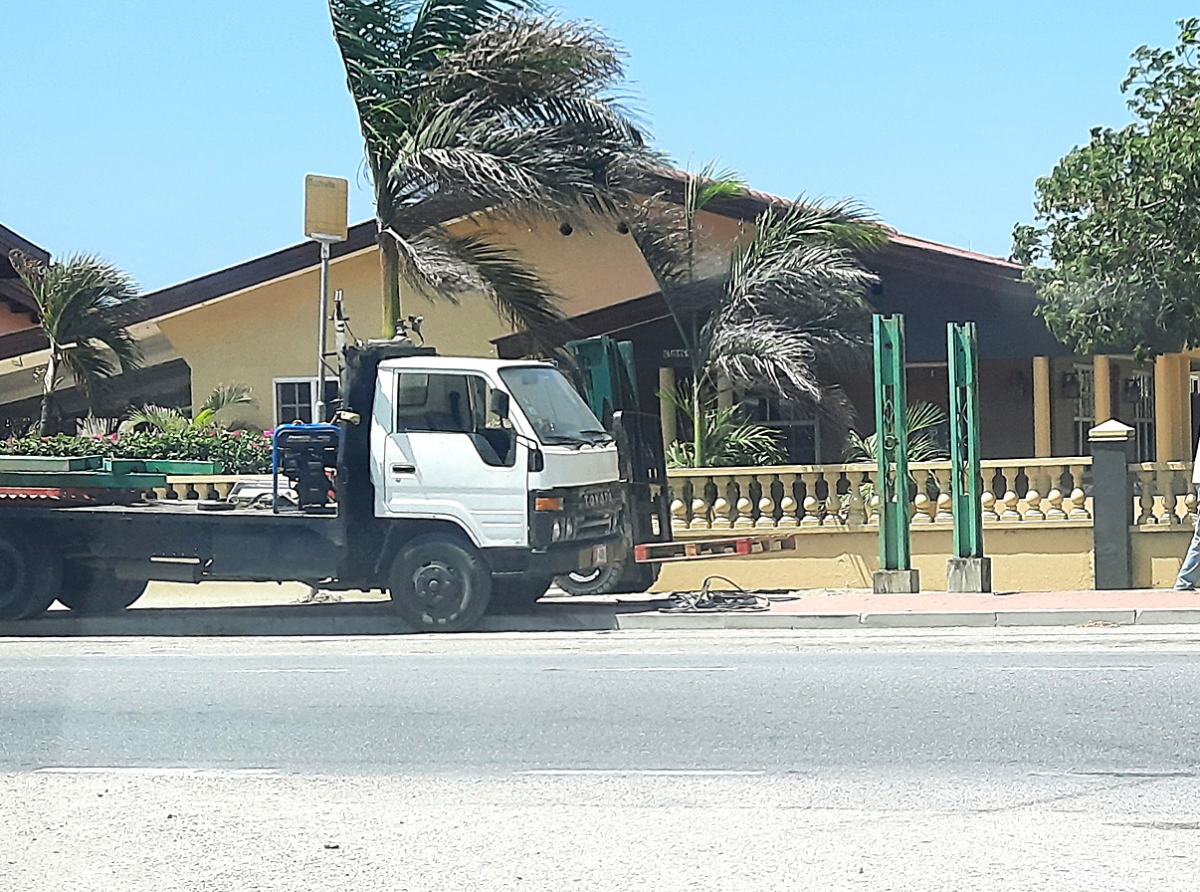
(173, 137)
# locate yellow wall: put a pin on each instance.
(1045, 557)
(270, 331)
(593, 267)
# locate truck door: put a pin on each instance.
(450, 456)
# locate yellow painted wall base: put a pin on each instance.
(1041, 558)
(1157, 555)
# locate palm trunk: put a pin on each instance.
(389, 257)
(697, 422)
(48, 396)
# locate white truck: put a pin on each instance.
(447, 481)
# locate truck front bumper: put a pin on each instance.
(560, 558)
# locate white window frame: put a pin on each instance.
(310, 380)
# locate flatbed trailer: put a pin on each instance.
(437, 485)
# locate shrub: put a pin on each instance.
(239, 452)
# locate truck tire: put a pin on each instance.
(618, 578)
(93, 591)
(31, 575)
(439, 583)
(518, 592)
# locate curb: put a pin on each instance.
(376, 619)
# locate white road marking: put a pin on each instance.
(309, 671)
(638, 772)
(148, 771)
(1076, 668)
(663, 669)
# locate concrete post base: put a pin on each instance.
(969, 574)
(896, 582)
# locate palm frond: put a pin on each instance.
(156, 418)
(763, 355)
(520, 296)
(225, 395)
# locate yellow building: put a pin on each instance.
(256, 324)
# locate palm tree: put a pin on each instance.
(784, 312)
(83, 305)
(170, 421)
(469, 105)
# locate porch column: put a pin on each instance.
(1102, 383)
(1041, 406)
(1186, 448)
(666, 409)
(1166, 407)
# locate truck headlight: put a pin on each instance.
(556, 531)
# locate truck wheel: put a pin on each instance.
(439, 583)
(30, 576)
(93, 591)
(518, 592)
(617, 578)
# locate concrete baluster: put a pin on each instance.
(1146, 500)
(679, 522)
(766, 505)
(1079, 509)
(1033, 499)
(1055, 511)
(1011, 504)
(945, 508)
(988, 502)
(812, 506)
(856, 506)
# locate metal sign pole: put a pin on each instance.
(323, 323)
(325, 222)
(895, 573)
(968, 570)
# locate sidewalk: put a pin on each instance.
(219, 609)
(850, 608)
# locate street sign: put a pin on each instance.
(325, 208)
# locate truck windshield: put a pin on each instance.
(558, 414)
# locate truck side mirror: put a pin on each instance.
(537, 460)
(498, 404)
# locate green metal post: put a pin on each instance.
(964, 439)
(891, 450)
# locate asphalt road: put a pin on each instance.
(611, 762)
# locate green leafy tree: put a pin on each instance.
(480, 104)
(925, 421)
(174, 421)
(1115, 248)
(729, 439)
(783, 312)
(83, 305)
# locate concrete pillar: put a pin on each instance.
(1112, 503)
(666, 409)
(1041, 406)
(1185, 448)
(1102, 377)
(1166, 407)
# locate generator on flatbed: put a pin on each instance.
(448, 481)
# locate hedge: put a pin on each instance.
(240, 452)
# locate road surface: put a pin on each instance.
(719, 761)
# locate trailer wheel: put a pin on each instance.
(92, 591)
(31, 575)
(439, 583)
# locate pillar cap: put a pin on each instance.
(1111, 431)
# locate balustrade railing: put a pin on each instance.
(1163, 494)
(712, 500)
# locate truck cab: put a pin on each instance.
(506, 451)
